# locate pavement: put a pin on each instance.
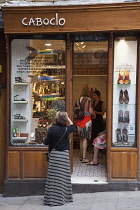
(85, 201)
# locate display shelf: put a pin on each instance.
(130, 144)
(20, 120)
(124, 104)
(20, 102)
(21, 83)
(90, 75)
(55, 67)
(19, 138)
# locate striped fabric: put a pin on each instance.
(58, 189)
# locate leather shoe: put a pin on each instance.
(126, 97)
(121, 97)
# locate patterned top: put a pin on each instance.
(85, 103)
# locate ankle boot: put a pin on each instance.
(120, 116)
(118, 135)
(124, 135)
(126, 117)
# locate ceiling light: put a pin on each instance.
(48, 44)
(122, 39)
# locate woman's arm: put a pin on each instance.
(48, 138)
(70, 125)
(69, 121)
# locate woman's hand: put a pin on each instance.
(69, 121)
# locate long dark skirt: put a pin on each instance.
(58, 189)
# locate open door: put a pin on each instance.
(90, 67)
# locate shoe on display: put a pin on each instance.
(126, 117)
(121, 77)
(120, 117)
(126, 97)
(118, 135)
(121, 99)
(126, 77)
(124, 135)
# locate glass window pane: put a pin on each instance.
(124, 92)
(37, 88)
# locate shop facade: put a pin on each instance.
(37, 78)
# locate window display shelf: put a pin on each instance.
(118, 104)
(128, 144)
(21, 83)
(20, 102)
(20, 120)
(19, 138)
(55, 66)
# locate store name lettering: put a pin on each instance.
(39, 21)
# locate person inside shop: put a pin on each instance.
(58, 189)
(84, 125)
(99, 143)
(99, 109)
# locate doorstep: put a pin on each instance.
(88, 180)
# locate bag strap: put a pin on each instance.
(60, 138)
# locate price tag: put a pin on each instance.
(131, 130)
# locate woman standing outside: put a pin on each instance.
(84, 126)
(58, 189)
(99, 109)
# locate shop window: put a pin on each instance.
(37, 88)
(124, 92)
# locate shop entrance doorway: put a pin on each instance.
(90, 67)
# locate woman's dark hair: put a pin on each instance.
(97, 92)
(61, 118)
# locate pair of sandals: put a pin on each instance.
(84, 160)
(93, 163)
(123, 77)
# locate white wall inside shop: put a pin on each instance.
(98, 82)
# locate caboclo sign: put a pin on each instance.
(39, 21)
